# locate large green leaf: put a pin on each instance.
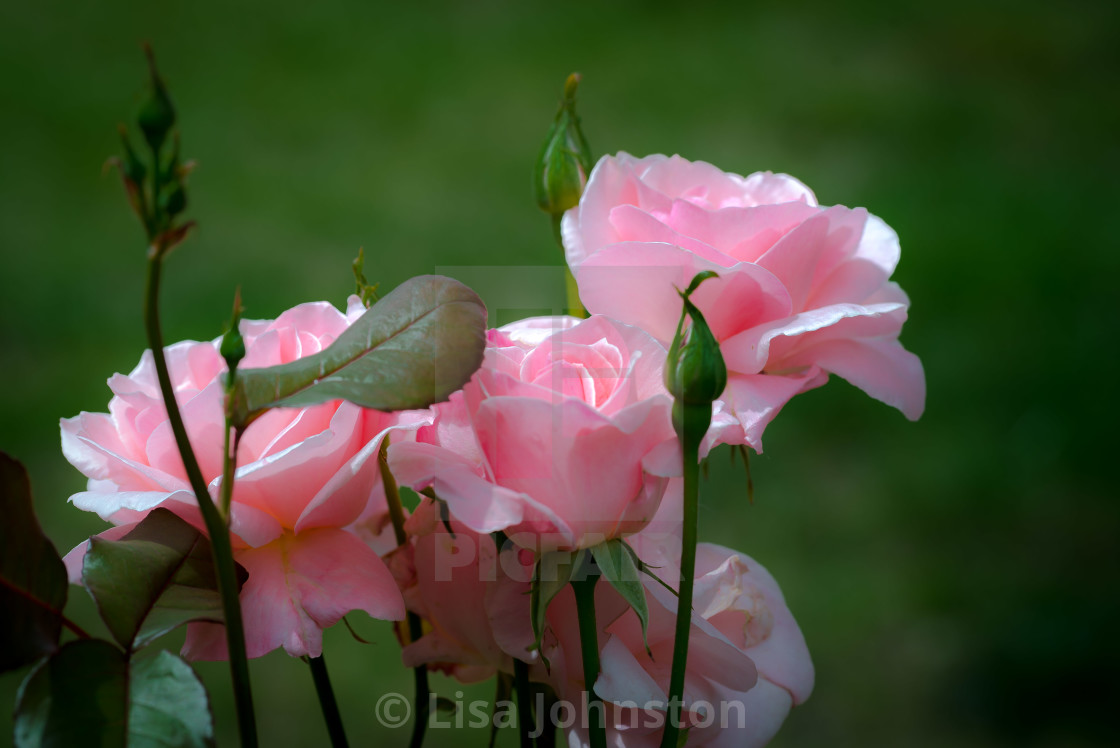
(157, 577)
(32, 577)
(616, 562)
(414, 347)
(89, 694)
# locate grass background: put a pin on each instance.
(956, 579)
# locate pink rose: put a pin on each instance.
(449, 581)
(303, 476)
(747, 662)
(803, 291)
(562, 439)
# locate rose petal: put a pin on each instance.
(298, 585)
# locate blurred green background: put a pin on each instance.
(956, 579)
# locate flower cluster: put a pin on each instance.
(562, 441)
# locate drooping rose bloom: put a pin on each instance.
(747, 662)
(562, 439)
(303, 476)
(803, 291)
(448, 574)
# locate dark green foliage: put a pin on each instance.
(32, 577)
(154, 579)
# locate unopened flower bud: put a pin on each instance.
(132, 169)
(565, 159)
(132, 173)
(695, 373)
(157, 115)
(232, 348)
(174, 201)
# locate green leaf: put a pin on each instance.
(697, 279)
(550, 576)
(414, 347)
(154, 579)
(88, 694)
(616, 562)
(32, 577)
(168, 704)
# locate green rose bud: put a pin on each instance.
(131, 167)
(232, 348)
(157, 115)
(695, 373)
(565, 159)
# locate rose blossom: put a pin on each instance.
(304, 474)
(448, 576)
(562, 439)
(803, 291)
(747, 662)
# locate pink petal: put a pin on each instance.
(251, 526)
(342, 499)
(744, 296)
(782, 657)
(284, 483)
(623, 678)
(771, 345)
(881, 367)
(204, 420)
(587, 227)
(757, 398)
(632, 224)
(298, 585)
(808, 253)
(107, 505)
(739, 234)
(569, 458)
(479, 504)
(452, 576)
(753, 724)
(636, 282)
(98, 461)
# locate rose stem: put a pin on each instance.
(215, 525)
(690, 445)
(575, 306)
(526, 724)
(415, 629)
(327, 701)
(589, 642)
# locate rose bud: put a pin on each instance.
(565, 158)
(695, 373)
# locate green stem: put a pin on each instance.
(215, 526)
(229, 466)
(327, 701)
(575, 306)
(690, 444)
(526, 724)
(415, 628)
(589, 643)
(549, 700)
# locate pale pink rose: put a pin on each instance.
(562, 439)
(449, 579)
(304, 475)
(803, 291)
(747, 659)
